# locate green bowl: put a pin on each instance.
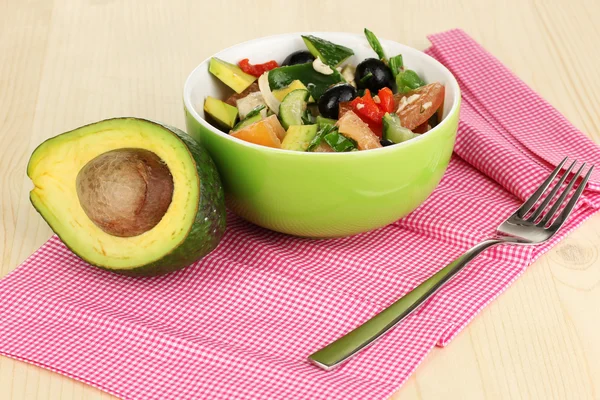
(324, 195)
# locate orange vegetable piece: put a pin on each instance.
(267, 132)
(350, 125)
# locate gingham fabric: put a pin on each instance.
(240, 323)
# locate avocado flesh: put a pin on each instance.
(298, 137)
(223, 114)
(230, 74)
(190, 228)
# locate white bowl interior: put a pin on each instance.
(201, 83)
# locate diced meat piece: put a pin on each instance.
(232, 100)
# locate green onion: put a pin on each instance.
(365, 78)
(254, 111)
(396, 64)
(375, 45)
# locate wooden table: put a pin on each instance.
(65, 63)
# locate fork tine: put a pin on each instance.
(548, 217)
(571, 204)
(540, 190)
(552, 193)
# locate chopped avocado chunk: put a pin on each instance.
(322, 121)
(230, 74)
(375, 44)
(222, 113)
(293, 108)
(394, 131)
(281, 93)
(408, 80)
(330, 53)
(176, 199)
(315, 82)
(298, 137)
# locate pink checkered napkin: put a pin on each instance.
(240, 323)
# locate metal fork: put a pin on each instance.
(529, 225)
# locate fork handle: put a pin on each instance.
(356, 340)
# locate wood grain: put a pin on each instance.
(65, 63)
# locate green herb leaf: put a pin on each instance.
(375, 45)
(319, 136)
(408, 80)
(307, 118)
(339, 142)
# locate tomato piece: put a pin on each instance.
(377, 129)
(352, 126)
(386, 100)
(345, 106)
(421, 128)
(257, 69)
(417, 106)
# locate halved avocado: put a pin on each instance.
(129, 195)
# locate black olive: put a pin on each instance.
(329, 102)
(386, 142)
(299, 57)
(373, 74)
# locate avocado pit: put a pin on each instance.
(125, 192)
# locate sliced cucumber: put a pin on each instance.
(253, 116)
(299, 137)
(330, 53)
(246, 122)
(394, 131)
(293, 107)
(315, 82)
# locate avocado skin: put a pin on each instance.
(208, 227)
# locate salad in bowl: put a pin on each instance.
(301, 146)
(318, 100)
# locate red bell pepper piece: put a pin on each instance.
(366, 108)
(257, 69)
(386, 100)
